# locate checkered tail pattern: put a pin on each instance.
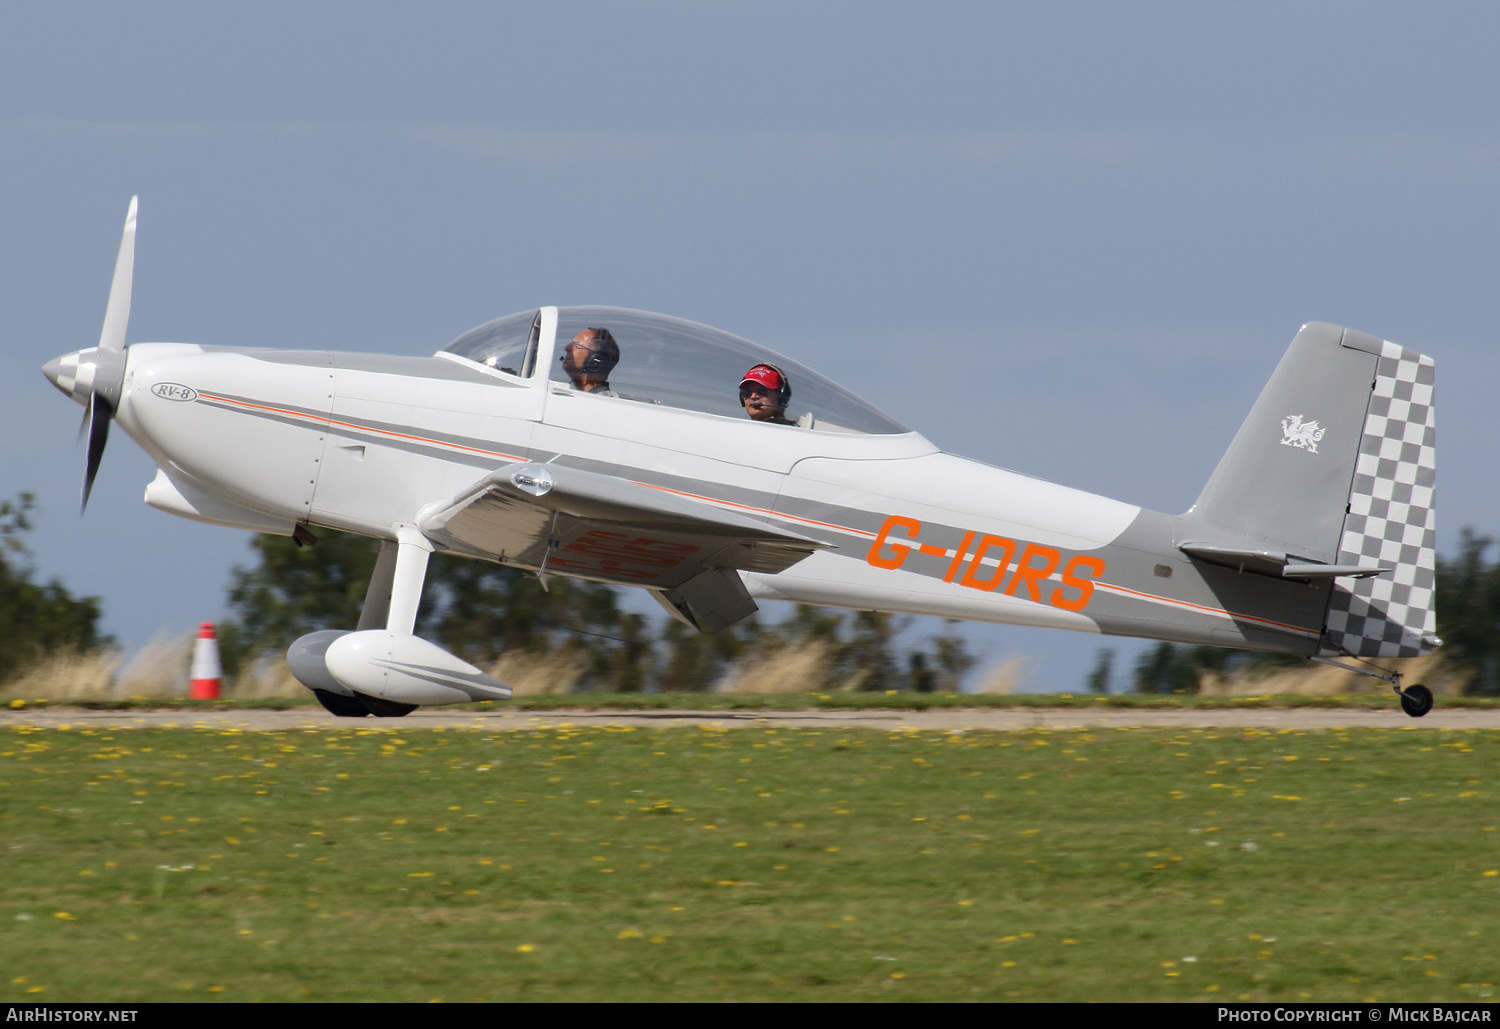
(1391, 520)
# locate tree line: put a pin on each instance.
(37, 619)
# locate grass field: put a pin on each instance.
(748, 864)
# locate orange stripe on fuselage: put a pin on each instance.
(330, 421)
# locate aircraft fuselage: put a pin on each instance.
(268, 439)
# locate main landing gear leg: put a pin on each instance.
(391, 602)
(1415, 700)
(408, 573)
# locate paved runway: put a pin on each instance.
(968, 719)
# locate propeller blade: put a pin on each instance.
(98, 417)
(117, 314)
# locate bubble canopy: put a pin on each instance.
(671, 362)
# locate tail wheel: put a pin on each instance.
(344, 707)
(384, 708)
(1416, 700)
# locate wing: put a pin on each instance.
(573, 522)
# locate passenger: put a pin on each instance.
(764, 393)
(589, 359)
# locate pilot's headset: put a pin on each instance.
(783, 391)
(603, 355)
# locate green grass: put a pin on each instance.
(1380, 698)
(364, 862)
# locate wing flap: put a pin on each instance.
(596, 526)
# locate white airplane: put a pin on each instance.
(642, 450)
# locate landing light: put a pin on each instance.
(534, 479)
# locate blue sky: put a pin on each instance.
(1070, 239)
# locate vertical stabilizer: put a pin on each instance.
(1335, 466)
(1284, 481)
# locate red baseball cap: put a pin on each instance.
(765, 375)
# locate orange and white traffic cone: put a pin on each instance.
(207, 673)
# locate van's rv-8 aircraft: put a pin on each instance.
(542, 442)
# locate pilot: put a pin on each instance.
(764, 393)
(589, 359)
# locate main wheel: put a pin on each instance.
(1416, 700)
(344, 707)
(384, 708)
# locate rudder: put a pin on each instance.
(1391, 517)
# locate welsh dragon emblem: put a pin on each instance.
(1297, 433)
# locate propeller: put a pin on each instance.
(96, 377)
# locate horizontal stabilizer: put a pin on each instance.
(1298, 571)
(1277, 564)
